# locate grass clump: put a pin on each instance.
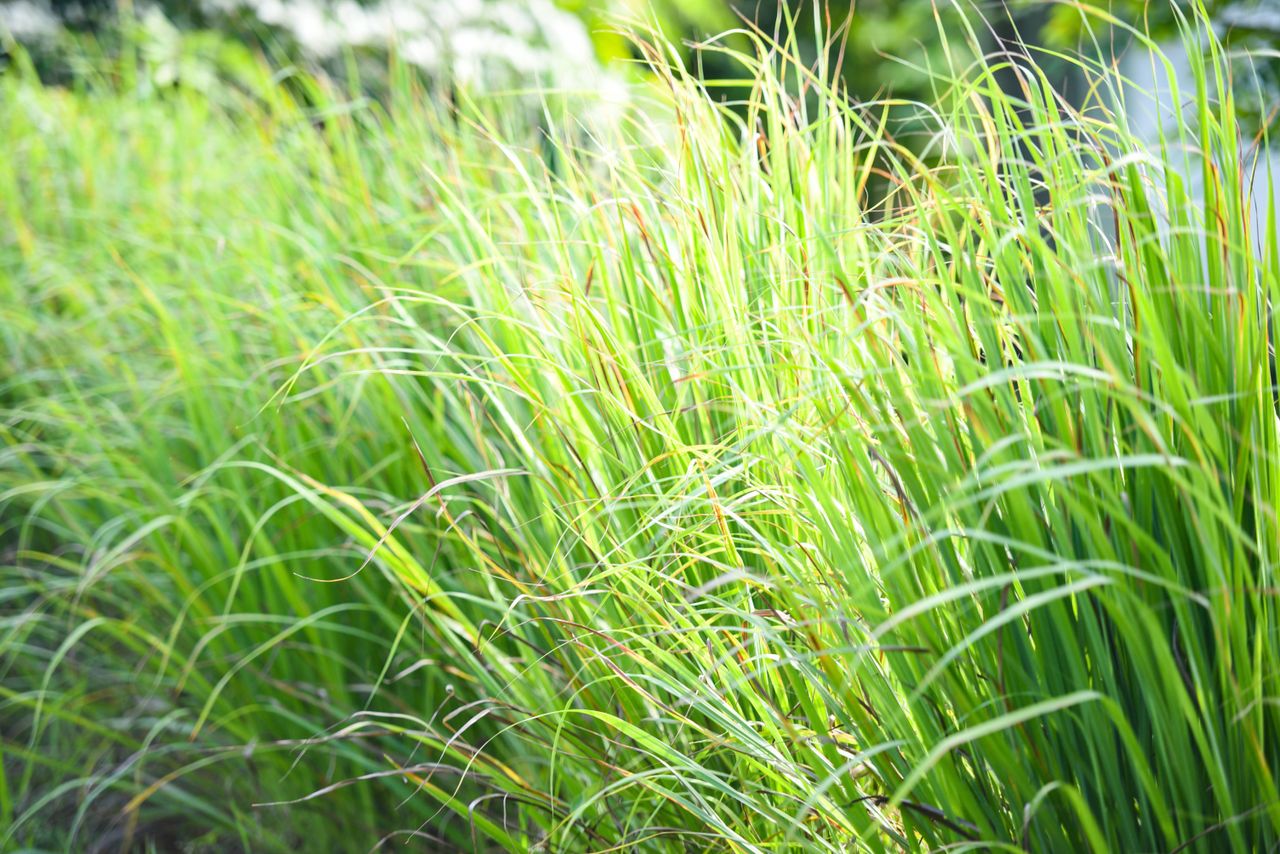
(516, 480)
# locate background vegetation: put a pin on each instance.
(565, 472)
(877, 39)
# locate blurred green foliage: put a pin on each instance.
(880, 45)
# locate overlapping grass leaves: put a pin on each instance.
(647, 482)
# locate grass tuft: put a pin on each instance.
(739, 477)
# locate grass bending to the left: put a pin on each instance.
(166, 264)
(652, 486)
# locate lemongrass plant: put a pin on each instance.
(394, 472)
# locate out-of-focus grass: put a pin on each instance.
(167, 265)
(644, 484)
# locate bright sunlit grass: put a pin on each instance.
(707, 479)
